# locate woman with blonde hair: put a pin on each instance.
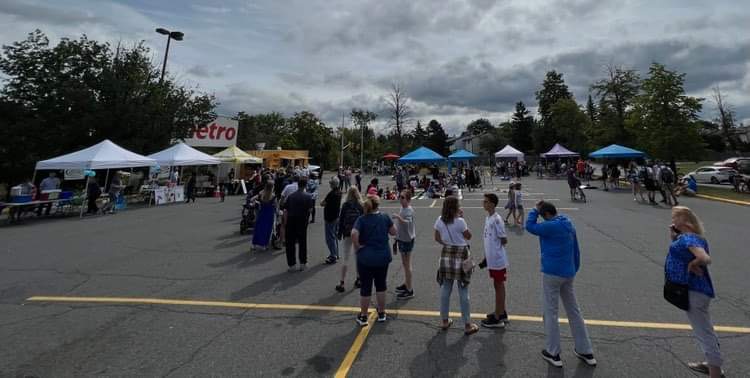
(686, 267)
(452, 232)
(351, 210)
(370, 240)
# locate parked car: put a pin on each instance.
(712, 174)
(740, 164)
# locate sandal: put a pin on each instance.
(472, 330)
(447, 325)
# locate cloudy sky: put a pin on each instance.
(458, 60)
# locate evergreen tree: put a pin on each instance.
(521, 129)
(437, 139)
(553, 90)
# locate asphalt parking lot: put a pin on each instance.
(175, 291)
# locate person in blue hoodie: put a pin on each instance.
(561, 259)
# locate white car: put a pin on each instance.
(713, 175)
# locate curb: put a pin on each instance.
(712, 198)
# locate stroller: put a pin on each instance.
(249, 215)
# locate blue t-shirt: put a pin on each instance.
(676, 265)
(692, 185)
(373, 239)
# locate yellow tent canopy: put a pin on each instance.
(233, 154)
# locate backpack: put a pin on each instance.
(349, 215)
(667, 176)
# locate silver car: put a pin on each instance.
(713, 175)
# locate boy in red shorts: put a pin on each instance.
(496, 259)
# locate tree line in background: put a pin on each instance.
(57, 99)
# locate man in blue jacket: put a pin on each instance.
(560, 261)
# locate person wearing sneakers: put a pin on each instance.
(331, 208)
(561, 260)
(452, 232)
(370, 240)
(405, 242)
(519, 205)
(351, 210)
(496, 259)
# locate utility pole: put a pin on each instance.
(341, 131)
(362, 149)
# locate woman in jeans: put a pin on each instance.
(452, 233)
(370, 240)
(350, 211)
(687, 263)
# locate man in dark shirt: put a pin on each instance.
(296, 215)
(331, 208)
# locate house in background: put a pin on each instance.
(467, 141)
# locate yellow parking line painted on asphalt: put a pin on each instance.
(323, 308)
(723, 200)
(433, 203)
(351, 355)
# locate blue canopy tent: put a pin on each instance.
(422, 155)
(616, 151)
(460, 155)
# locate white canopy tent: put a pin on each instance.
(508, 152)
(181, 155)
(105, 155)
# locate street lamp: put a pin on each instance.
(177, 36)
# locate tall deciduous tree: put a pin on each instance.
(266, 128)
(521, 128)
(313, 135)
(81, 91)
(617, 92)
(571, 123)
(725, 117)
(479, 126)
(664, 119)
(400, 114)
(361, 119)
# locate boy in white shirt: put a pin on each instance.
(496, 259)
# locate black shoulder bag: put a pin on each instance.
(676, 294)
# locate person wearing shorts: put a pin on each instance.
(351, 210)
(496, 259)
(405, 242)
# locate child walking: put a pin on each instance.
(519, 205)
(405, 242)
(511, 204)
(496, 259)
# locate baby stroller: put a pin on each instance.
(249, 215)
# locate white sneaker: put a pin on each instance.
(302, 267)
(587, 358)
(292, 269)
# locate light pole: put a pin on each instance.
(177, 36)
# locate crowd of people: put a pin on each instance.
(370, 238)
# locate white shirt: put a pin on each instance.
(494, 251)
(452, 234)
(519, 198)
(289, 189)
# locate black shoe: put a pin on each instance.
(492, 322)
(382, 317)
(587, 358)
(362, 320)
(504, 318)
(340, 287)
(330, 260)
(357, 283)
(401, 289)
(408, 294)
(701, 367)
(553, 360)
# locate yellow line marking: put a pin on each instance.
(351, 355)
(323, 308)
(433, 203)
(723, 200)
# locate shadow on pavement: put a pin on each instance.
(491, 353)
(280, 281)
(302, 317)
(439, 358)
(326, 361)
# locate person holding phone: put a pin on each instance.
(687, 262)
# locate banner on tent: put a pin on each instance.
(220, 133)
(73, 174)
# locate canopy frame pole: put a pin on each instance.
(85, 194)
(33, 177)
(106, 182)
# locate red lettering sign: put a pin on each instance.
(231, 132)
(201, 133)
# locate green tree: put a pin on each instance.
(497, 138)
(79, 92)
(553, 90)
(591, 110)
(571, 123)
(437, 139)
(311, 134)
(418, 136)
(267, 128)
(479, 126)
(664, 119)
(617, 92)
(521, 128)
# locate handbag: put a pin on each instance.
(676, 294)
